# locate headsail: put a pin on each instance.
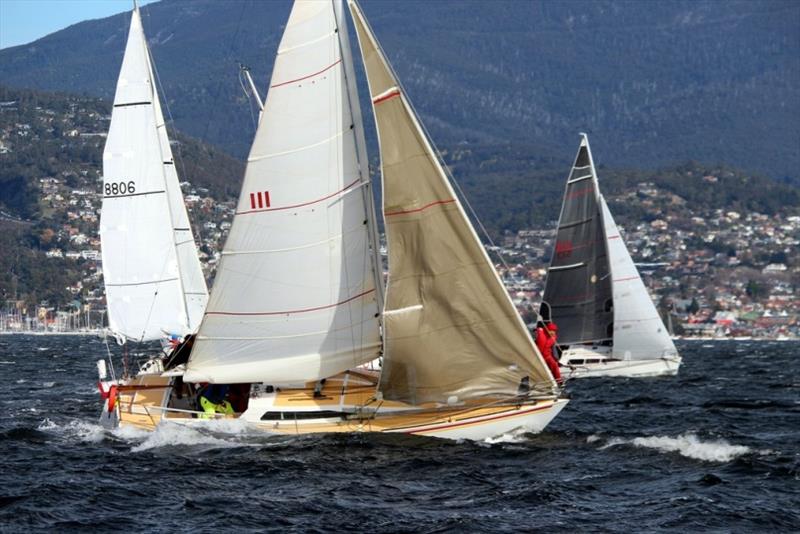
(450, 328)
(193, 283)
(578, 287)
(639, 332)
(295, 296)
(140, 264)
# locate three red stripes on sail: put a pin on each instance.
(263, 200)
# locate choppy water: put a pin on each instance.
(715, 448)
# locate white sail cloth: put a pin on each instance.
(140, 264)
(294, 297)
(639, 332)
(451, 331)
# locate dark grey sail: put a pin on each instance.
(578, 288)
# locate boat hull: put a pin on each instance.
(601, 364)
(299, 411)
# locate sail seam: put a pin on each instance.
(307, 77)
(303, 310)
(307, 43)
(292, 151)
(143, 283)
(134, 194)
(417, 210)
(579, 179)
(626, 279)
(290, 249)
(294, 336)
(348, 186)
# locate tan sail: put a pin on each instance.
(451, 331)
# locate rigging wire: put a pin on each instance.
(438, 153)
(249, 98)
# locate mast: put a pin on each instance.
(361, 146)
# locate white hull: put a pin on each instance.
(480, 428)
(533, 419)
(592, 362)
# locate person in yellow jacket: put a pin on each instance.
(213, 401)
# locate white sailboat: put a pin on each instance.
(298, 308)
(153, 279)
(594, 292)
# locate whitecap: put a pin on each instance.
(171, 434)
(515, 436)
(7, 363)
(688, 445)
(48, 384)
(691, 446)
(81, 430)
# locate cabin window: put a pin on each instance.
(576, 362)
(296, 416)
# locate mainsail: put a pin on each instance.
(147, 265)
(451, 331)
(295, 296)
(578, 288)
(639, 332)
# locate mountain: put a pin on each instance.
(656, 83)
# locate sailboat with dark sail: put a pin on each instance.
(607, 323)
(298, 308)
(154, 284)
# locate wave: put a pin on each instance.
(205, 433)
(688, 445)
(76, 429)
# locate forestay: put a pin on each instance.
(295, 297)
(451, 331)
(140, 264)
(639, 332)
(578, 287)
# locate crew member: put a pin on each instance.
(213, 401)
(546, 337)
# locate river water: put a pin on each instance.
(715, 448)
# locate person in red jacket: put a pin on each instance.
(546, 338)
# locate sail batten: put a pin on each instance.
(450, 328)
(295, 298)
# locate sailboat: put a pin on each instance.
(153, 279)
(607, 323)
(298, 315)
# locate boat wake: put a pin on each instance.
(207, 434)
(688, 445)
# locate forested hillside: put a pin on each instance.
(655, 83)
(54, 134)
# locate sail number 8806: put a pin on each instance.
(119, 188)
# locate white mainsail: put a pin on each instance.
(141, 207)
(295, 296)
(451, 331)
(639, 332)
